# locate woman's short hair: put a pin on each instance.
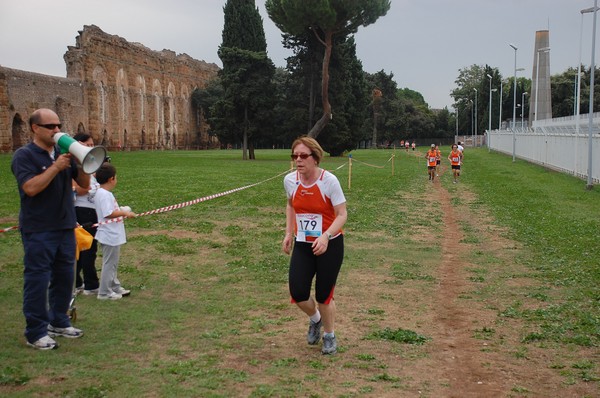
(312, 144)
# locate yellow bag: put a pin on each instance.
(83, 240)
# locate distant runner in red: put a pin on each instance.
(431, 157)
(455, 157)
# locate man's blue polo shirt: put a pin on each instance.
(53, 208)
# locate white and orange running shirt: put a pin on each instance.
(313, 204)
(431, 156)
(455, 157)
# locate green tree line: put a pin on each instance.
(254, 104)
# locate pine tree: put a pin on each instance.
(327, 20)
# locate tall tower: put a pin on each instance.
(544, 102)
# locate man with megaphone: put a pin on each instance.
(47, 221)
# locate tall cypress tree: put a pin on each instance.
(246, 74)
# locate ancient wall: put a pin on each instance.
(123, 94)
(23, 92)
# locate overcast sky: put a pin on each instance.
(423, 43)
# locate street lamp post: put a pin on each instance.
(590, 181)
(522, 108)
(537, 78)
(456, 116)
(578, 100)
(490, 115)
(500, 113)
(472, 125)
(514, 104)
(475, 137)
(578, 89)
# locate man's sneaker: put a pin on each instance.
(91, 292)
(44, 343)
(329, 345)
(123, 292)
(110, 296)
(69, 332)
(78, 290)
(314, 332)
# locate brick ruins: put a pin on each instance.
(125, 95)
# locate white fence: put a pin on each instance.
(559, 144)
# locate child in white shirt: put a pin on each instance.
(111, 235)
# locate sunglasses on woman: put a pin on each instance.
(302, 156)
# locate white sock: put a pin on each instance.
(316, 317)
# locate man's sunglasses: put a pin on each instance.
(50, 126)
(302, 156)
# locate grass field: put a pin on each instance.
(209, 313)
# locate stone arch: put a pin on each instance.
(100, 80)
(140, 85)
(122, 102)
(186, 107)
(158, 114)
(80, 128)
(19, 132)
(143, 142)
(105, 138)
(62, 109)
(171, 130)
(122, 94)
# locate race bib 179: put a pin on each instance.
(310, 227)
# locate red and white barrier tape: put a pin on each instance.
(372, 165)
(180, 205)
(9, 229)
(191, 202)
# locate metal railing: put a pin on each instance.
(559, 144)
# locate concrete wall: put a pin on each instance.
(543, 91)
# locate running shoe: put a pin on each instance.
(329, 345)
(314, 332)
(68, 332)
(44, 343)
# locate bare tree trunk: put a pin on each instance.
(327, 115)
(374, 143)
(376, 107)
(251, 151)
(311, 97)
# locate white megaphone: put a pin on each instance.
(90, 158)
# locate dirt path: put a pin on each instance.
(454, 349)
(461, 360)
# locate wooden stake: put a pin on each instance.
(349, 171)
